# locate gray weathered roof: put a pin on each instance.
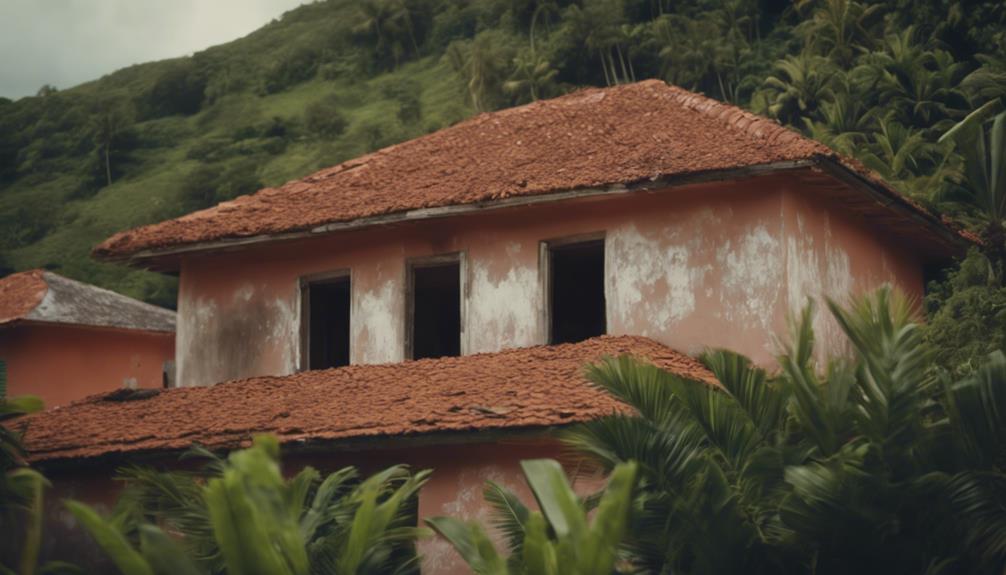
(45, 297)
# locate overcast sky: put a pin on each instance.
(67, 42)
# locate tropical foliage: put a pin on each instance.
(558, 539)
(22, 497)
(864, 465)
(240, 517)
(967, 314)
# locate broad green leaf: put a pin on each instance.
(165, 554)
(557, 501)
(128, 560)
(472, 543)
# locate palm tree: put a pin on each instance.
(111, 118)
(987, 82)
(981, 140)
(922, 85)
(599, 24)
(558, 540)
(481, 63)
(838, 29)
(532, 76)
(868, 464)
(846, 120)
(798, 87)
(695, 55)
(388, 22)
(543, 10)
(900, 153)
(239, 516)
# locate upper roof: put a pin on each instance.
(635, 134)
(44, 297)
(519, 388)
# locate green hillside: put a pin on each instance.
(335, 79)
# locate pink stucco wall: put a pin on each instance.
(719, 264)
(455, 489)
(62, 363)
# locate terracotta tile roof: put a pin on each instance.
(19, 294)
(44, 297)
(529, 387)
(595, 137)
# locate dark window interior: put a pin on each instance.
(577, 285)
(436, 310)
(328, 323)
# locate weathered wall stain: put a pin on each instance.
(504, 308)
(651, 282)
(752, 270)
(376, 323)
(250, 333)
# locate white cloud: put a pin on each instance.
(67, 42)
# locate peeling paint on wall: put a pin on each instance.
(504, 310)
(817, 270)
(651, 282)
(751, 273)
(252, 334)
(467, 504)
(376, 324)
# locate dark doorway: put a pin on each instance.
(576, 300)
(436, 309)
(327, 313)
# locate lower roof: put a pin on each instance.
(509, 390)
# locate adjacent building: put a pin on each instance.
(64, 340)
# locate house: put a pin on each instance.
(63, 340)
(447, 291)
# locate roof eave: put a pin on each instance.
(955, 243)
(165, 259)
(54, 461)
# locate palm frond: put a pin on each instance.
(510, 515)
(762, 400)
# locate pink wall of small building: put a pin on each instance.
(720, 264)
(460, 472)
(62, 363)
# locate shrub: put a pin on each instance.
(967, 314)
(324, 119)
(179, 89)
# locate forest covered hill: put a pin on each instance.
(328, 81)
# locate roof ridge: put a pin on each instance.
(738, 118)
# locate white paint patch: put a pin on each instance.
(284, 332)
(251, 334)
(650, 282)
(752, 271)
(468, 505)
(196, 318)
(503, 312)
(815, 273)
(376, 323)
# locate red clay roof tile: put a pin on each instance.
(21, 293)
(595, 137)
(529, 387)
